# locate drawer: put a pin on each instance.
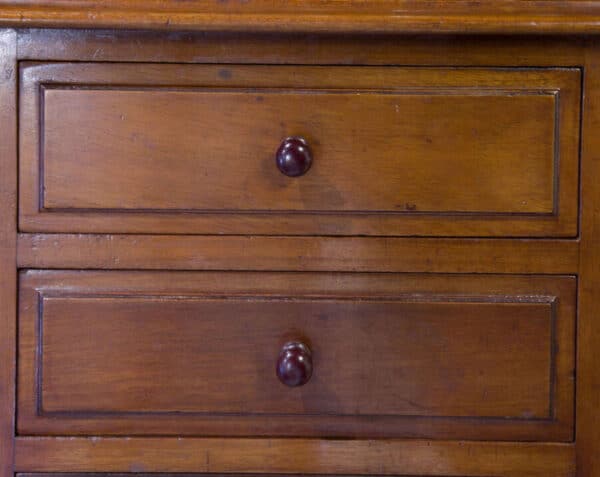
(141, 148)
(196, 353)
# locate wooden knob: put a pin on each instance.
(294, 366)
(293, 157)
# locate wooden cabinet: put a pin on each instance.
(304, 237)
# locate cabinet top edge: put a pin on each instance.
(314, 16)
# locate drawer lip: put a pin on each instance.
(560, 219)
(85, 285)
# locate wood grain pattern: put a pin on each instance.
(346, 16)
(414, 158)
(158, 161)
(8, 235)
(176, 353)
(588, 402)
(353, 254)
(307, 49)
(431, 458)
(392, 457)
(434, 255)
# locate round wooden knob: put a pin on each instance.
(293, 157)
(294, 366)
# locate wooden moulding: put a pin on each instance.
(347, 16)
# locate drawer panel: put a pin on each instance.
(396, 150)
(393, 355)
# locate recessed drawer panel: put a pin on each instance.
(340, 355)
(379, 150)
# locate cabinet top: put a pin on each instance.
(334, 16)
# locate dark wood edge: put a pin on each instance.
(317, 49)
(8, 234)
(588, 333)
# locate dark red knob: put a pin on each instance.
(294, 366)
(294, 157)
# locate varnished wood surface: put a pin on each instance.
(588, 387)
(346, 16)
(354, 254)
(394, 355)
(186, 474)
(307, 49)
(406, 151)
(8, 230)
(264, 456)
(459, 459)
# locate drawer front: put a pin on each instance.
(182, 353)
(393, 150)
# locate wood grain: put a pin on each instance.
(174, 353)
(354, 254)
(154, 161)
(346, 16)
(8, 235)
(588, 390)
(392, 457)
(404, 151)
(307, 49)
(310, 38)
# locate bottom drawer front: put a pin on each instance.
(195, 353)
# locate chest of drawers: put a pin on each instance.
(299, 238)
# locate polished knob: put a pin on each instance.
(293, 157)
(294, 366)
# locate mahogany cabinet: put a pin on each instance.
(319, 237)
